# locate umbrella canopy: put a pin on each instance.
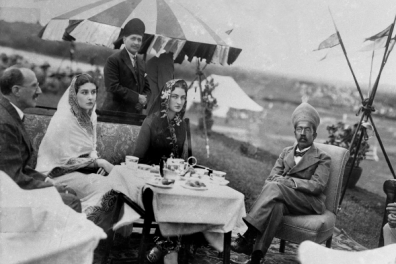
(170, 27)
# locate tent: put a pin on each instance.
(229, 95)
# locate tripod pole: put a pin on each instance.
(353, 162)
(382, 147)
(372, 95)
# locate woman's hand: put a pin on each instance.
(107, 166)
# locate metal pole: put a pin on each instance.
(372, 95)
(382, 147)
(353, 163)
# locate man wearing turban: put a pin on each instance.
(295, 186)
(127, 87)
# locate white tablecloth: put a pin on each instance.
(37, 227)
(179, 211)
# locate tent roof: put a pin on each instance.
(228, 94)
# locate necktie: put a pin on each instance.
(134, 64)
(299, 154)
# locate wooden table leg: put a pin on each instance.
(227, 248)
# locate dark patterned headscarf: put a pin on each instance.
(161, 104)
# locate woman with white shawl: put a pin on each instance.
(68, 151)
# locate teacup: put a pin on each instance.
(131, 162)
(218, 175)
(201, 172)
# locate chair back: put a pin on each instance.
(339, 157)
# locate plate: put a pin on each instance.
(160, 185)
(223, 182)
(194, 188)
(145, 167)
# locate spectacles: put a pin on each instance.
(301, 130)
(36, 87)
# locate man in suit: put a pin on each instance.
(127, 88)
(20, 90)
(295, 186)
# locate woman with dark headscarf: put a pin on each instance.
(163, 132)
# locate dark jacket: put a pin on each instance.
(16, 149)
(123, 85)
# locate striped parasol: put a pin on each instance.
(170, 27)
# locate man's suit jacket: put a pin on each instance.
(16, 149)
(310, 174)
(123, 85)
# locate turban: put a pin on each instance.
(305, 112)
(134, 26)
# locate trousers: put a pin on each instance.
(275, 201)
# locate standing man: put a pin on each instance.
(295, 186)
(127, 87)
(20, 90)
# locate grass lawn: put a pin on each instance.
(361, 213)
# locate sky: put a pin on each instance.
(280, 35)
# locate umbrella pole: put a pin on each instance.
(199, 75)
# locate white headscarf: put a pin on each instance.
(71, 134)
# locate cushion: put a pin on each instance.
(317, 228)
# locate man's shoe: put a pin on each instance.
(256, 257)
(242, 245)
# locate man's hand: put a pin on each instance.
(392, 220)
(285, 181)
(391, 208)
(274, 177)
(139, 106)
(142, 99)
(107, 166)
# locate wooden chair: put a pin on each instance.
(318, 228)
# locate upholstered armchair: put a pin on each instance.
(318, 228)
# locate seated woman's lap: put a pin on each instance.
(89, 188)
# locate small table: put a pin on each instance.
(181, 211)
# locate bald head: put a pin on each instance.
(20, 86)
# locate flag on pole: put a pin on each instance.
(330, 42)
(228, 32)
(380, 35)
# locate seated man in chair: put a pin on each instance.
(295, 186)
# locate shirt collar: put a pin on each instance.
(19, 111)
(131, 55)
(303, 150)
